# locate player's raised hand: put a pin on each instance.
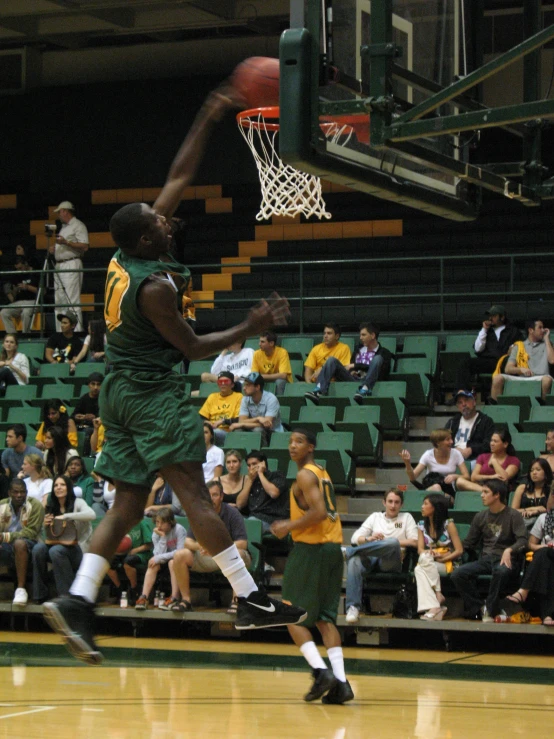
(271, 312)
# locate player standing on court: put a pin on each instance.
(313, 574)
(149, 423)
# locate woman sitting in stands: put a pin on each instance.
(549, 445)
(500, 463)
(61, 506)
(440, 463)
(94, 345)
(531, 497)
(539, 575)
(54, 413)
(167, 537)
(213, 466)
(36, 476)
(57, 450)
(161, 496)
(76, 471)
(439, 547)
(14, 366)
(233, 482)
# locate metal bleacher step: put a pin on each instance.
(391, 476)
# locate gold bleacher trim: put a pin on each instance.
(8, 201)
(149, 194)
(97, 240)
(37, 323)
(329, 230)
(203, 295)
(219, 205)
(279, 220)
(228, 268)
(252, 248)
(87, 298)
(217, 282)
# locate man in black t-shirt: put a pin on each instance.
(22, 294)
(267, 500)
(63, 346)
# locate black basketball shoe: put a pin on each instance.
(72, 617)
(340, 693)
(259, 611)
(323, 680)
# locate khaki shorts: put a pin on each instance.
(149, 425)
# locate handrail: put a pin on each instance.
(442, 294)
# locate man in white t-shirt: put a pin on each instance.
(380, 542)
(235, 359)
(471, 429)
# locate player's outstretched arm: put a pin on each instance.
(157, 303)
(187, 159)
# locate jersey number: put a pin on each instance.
(329, 498)
(117, 284)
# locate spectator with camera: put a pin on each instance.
(71, 243)
(86, 409)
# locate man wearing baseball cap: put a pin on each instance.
(221, 409)
(493, 341)
(471, 429)
(71, 243)
(64, 345)
(259, 409)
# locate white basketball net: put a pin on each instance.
(286, 191)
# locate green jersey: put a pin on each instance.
(133, 342)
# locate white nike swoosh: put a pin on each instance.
(269, 609)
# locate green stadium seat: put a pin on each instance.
(421, 346)
(363, 422)
(467, 500)
(298, 347)
(335, 448)
(24, 415)
(207, 388)
(456, 349)
(413, 498)
(55, 370)
(523, 394)
(315, 418)
(59, 390)
(279, 448)
(503, 415)
(297, 367)
(252, 343)
(389, 342)
(21, 392)
(416, 373)
(244, 441)
(390, 397)
(540, 420)
(84, 369)
(34, 350)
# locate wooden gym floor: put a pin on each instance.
(183, 688)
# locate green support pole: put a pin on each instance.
(380, 56)
(532, 144)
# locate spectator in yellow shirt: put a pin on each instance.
(330, 347)
(272, 362)
(222, 409)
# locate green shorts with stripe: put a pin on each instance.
(149, 424)
(313, 580)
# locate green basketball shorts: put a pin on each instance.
(149, 425)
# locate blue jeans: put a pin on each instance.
(384, 555)
(333, 369)
(65, 563)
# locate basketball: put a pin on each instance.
(257, 80)
(124, 545)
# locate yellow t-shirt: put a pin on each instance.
(216, 407)
(320, 353)
(329, 530)
(279, 361)
(71, 435)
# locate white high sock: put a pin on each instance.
(89, 576)
(312, 656)
(232, 566)
(337, 663)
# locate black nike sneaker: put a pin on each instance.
(259, 611)
(323, 680)
(72, 617)
(340, 693)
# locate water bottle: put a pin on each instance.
(161, 599)
(501, 619)
(123, 603)
(156, 598)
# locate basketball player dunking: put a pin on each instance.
(313, 574)
(149, 423)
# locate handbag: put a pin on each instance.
(403, 604)
(61, 531)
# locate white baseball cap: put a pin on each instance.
(66, 205)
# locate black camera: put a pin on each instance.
(50, 229)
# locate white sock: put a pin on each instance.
(312, 656)
(89, 576)
(337, 663)
(232, 566)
